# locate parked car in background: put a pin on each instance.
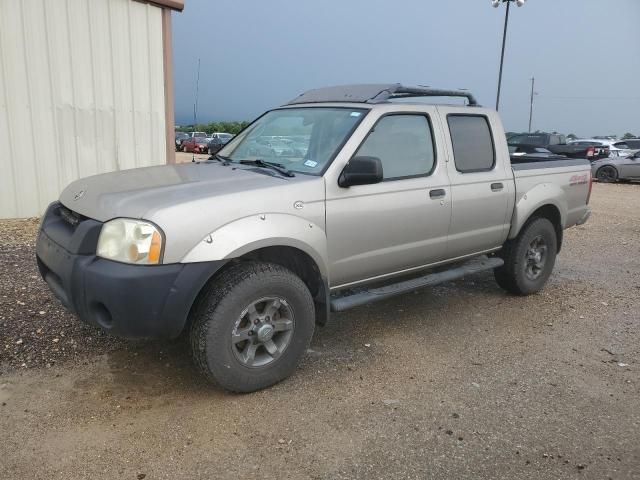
(530, 153)
(223, 136)
(217, 141)
(198, 134)
(615, 149)
(180, 136)
(632, 143)
(617, 168)
(195, 145)
(557, 143)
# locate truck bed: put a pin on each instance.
(567, 182)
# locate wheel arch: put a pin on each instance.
(552, 213)
(295, 259)
(304, 266)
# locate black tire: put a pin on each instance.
(519, 275)
(225, 302)
(607, 174)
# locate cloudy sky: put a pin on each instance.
(257, 54)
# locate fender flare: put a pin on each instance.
(251, 233)
(539, 196)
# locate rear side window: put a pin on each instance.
(404, 145)
(472, 143)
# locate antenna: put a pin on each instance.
(195, 107)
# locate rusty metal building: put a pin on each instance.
(85, 88)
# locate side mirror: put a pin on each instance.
(361, 171)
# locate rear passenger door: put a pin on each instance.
(482, 187)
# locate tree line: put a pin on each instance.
(220, 127)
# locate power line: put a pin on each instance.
(559, 97)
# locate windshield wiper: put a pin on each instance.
(225, 161)
(278, 167)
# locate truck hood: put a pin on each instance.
(139, 192)
(191, 201)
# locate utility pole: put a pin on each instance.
(496, 4)
(533, 81)
(195, 105)
(195, 108)
(504, 39)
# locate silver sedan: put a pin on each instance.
(617, 168)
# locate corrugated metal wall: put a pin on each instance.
(81, 92)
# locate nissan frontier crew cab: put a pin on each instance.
(342, 197)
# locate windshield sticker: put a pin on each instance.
(310, 163)
(356, 114)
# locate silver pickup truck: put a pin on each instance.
(344, 196)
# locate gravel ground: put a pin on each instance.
(182, 157)
(458, 381)
(36, 330)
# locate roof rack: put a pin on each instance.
(375, 93)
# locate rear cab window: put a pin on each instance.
(472, 141)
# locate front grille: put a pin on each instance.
(69, 216)
(70, 230)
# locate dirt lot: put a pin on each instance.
(460, 381)
(182, 157)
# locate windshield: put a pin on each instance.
(301, 139)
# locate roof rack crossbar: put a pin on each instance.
(408, 92)
(376, 94)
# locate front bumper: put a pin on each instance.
(584, 217)
(127, 300)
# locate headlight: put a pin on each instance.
(130, 241)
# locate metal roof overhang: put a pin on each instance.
(177, 5)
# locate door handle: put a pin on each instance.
(496, 187)
(437, 193)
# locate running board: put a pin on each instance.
(363, 297)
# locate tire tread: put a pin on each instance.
(509, 276)
(204, 315)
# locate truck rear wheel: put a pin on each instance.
(529, 258)
(252, 326)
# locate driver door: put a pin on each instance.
(374, 231)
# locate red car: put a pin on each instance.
(195, 145)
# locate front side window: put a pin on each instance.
(404, 145)
(302, 139)
(472, 143)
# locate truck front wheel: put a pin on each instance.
(528, 259)
(251, 326)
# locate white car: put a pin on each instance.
(617, 148)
